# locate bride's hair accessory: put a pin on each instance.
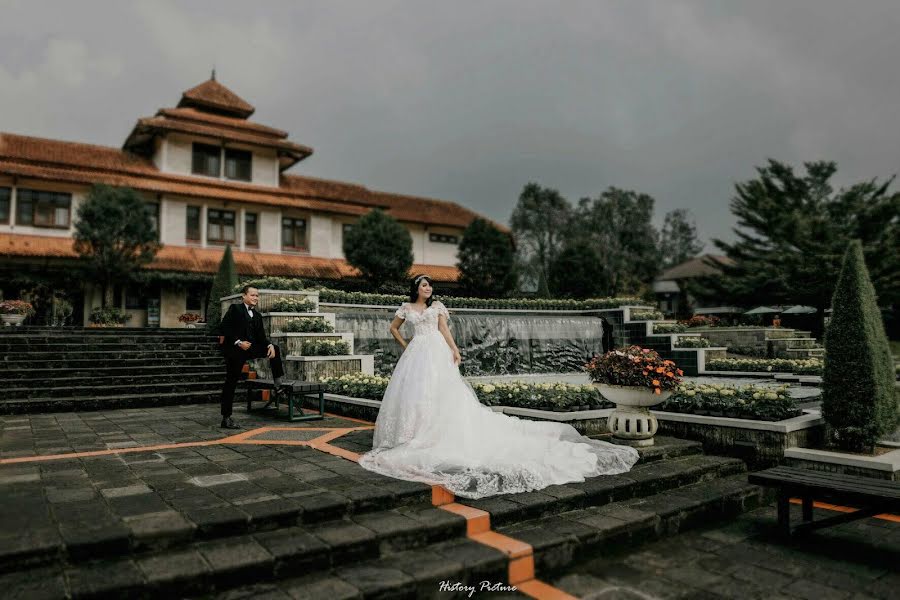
(421, 277)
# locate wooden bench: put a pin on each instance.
(292, 392)
(871, 496)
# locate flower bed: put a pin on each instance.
(189, 317)
(292, 305)
(324, 348)
(342, 297)
(807, 366)
(669, 328)
(692, 342)
(739, 402)
(547, 396)
(701, 321)
(271, 283)
(307, 325)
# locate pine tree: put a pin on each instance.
(859, 398)
(539, 223)
(381, 248)
(223, 285)
(678, 240)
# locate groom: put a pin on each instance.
(245, 338)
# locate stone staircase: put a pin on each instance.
(44, 369)
(384, 539)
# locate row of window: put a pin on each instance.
(220, 229)
(207, 160)
(37, 208)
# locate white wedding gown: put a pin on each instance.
(432, 428)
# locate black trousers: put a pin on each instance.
(234, 364)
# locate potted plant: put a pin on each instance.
(110, 316)
(14, 312)
(634, 379)
(190, 319)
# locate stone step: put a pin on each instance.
(21, 376)
(576, 535)
(556, 543)
(84, 403)
(345, 523)
(106, 346)
(102, 355)
(49, 364)
(47, 330)
(642, 480)
(102, 386)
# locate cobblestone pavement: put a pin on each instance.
(743, 559)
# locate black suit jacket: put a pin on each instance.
(237, 325)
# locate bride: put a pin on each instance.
(431, 427)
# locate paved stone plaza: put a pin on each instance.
(159, 502)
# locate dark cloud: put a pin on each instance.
(468, 101)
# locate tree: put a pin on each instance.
(223, 285)
(115, 235)
(539, 223)
(577, 272)
(678, 241)
(859, 398)
(486, 261)
(380, 247)
(792, 231)
(618, 224)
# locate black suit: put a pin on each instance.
(238, 325)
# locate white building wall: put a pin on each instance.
(320, 233)
(440, 253)
(417, 232)
(265, 167)
(177, 154)
(270, 231)
(173, 221)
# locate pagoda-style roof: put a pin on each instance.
(212, 96)
(212, 110)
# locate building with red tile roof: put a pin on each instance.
(211, 178)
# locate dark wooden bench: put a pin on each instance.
(291, 392)
(871, 496)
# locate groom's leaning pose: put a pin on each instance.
(245, 338)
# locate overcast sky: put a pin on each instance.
(469, 100)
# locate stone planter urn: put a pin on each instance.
(631, 422)
(12, 319)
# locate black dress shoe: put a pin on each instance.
(228, 423)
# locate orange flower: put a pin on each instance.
(680, 372)
(669, 375)
(656, 382)
(659, 369)
(645, 372)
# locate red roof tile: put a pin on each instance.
(213, 95)
(206, 260)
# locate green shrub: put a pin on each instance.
(859, 398)
(669, 328)
(692, 342)
(324, 347)
(798, 366)
(292, 305)
(307, 325)
(646, 315)
(226, 278)
(740, 402)
(109, 316)
(271, 283)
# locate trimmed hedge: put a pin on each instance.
(859, 398)
(292, 305)
(271, 283)
(307, 325)
(798, 366)
(324, 348)
(343, 297)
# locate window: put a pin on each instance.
(5, 194)
(206, 160)
(220, 226)
(193, 223)
(135, 299)
(251, 234)
(442, 238)
(43, 209)
(196, 294)
(293, 234)
(238, 164)
(152, 209)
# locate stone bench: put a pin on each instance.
(871, 496)
(292, 392)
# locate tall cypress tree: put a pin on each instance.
(223, 284)
(486, 261)
(859, 399)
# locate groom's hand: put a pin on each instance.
(271, 352)
(244, 345)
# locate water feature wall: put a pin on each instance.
(491, 342)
